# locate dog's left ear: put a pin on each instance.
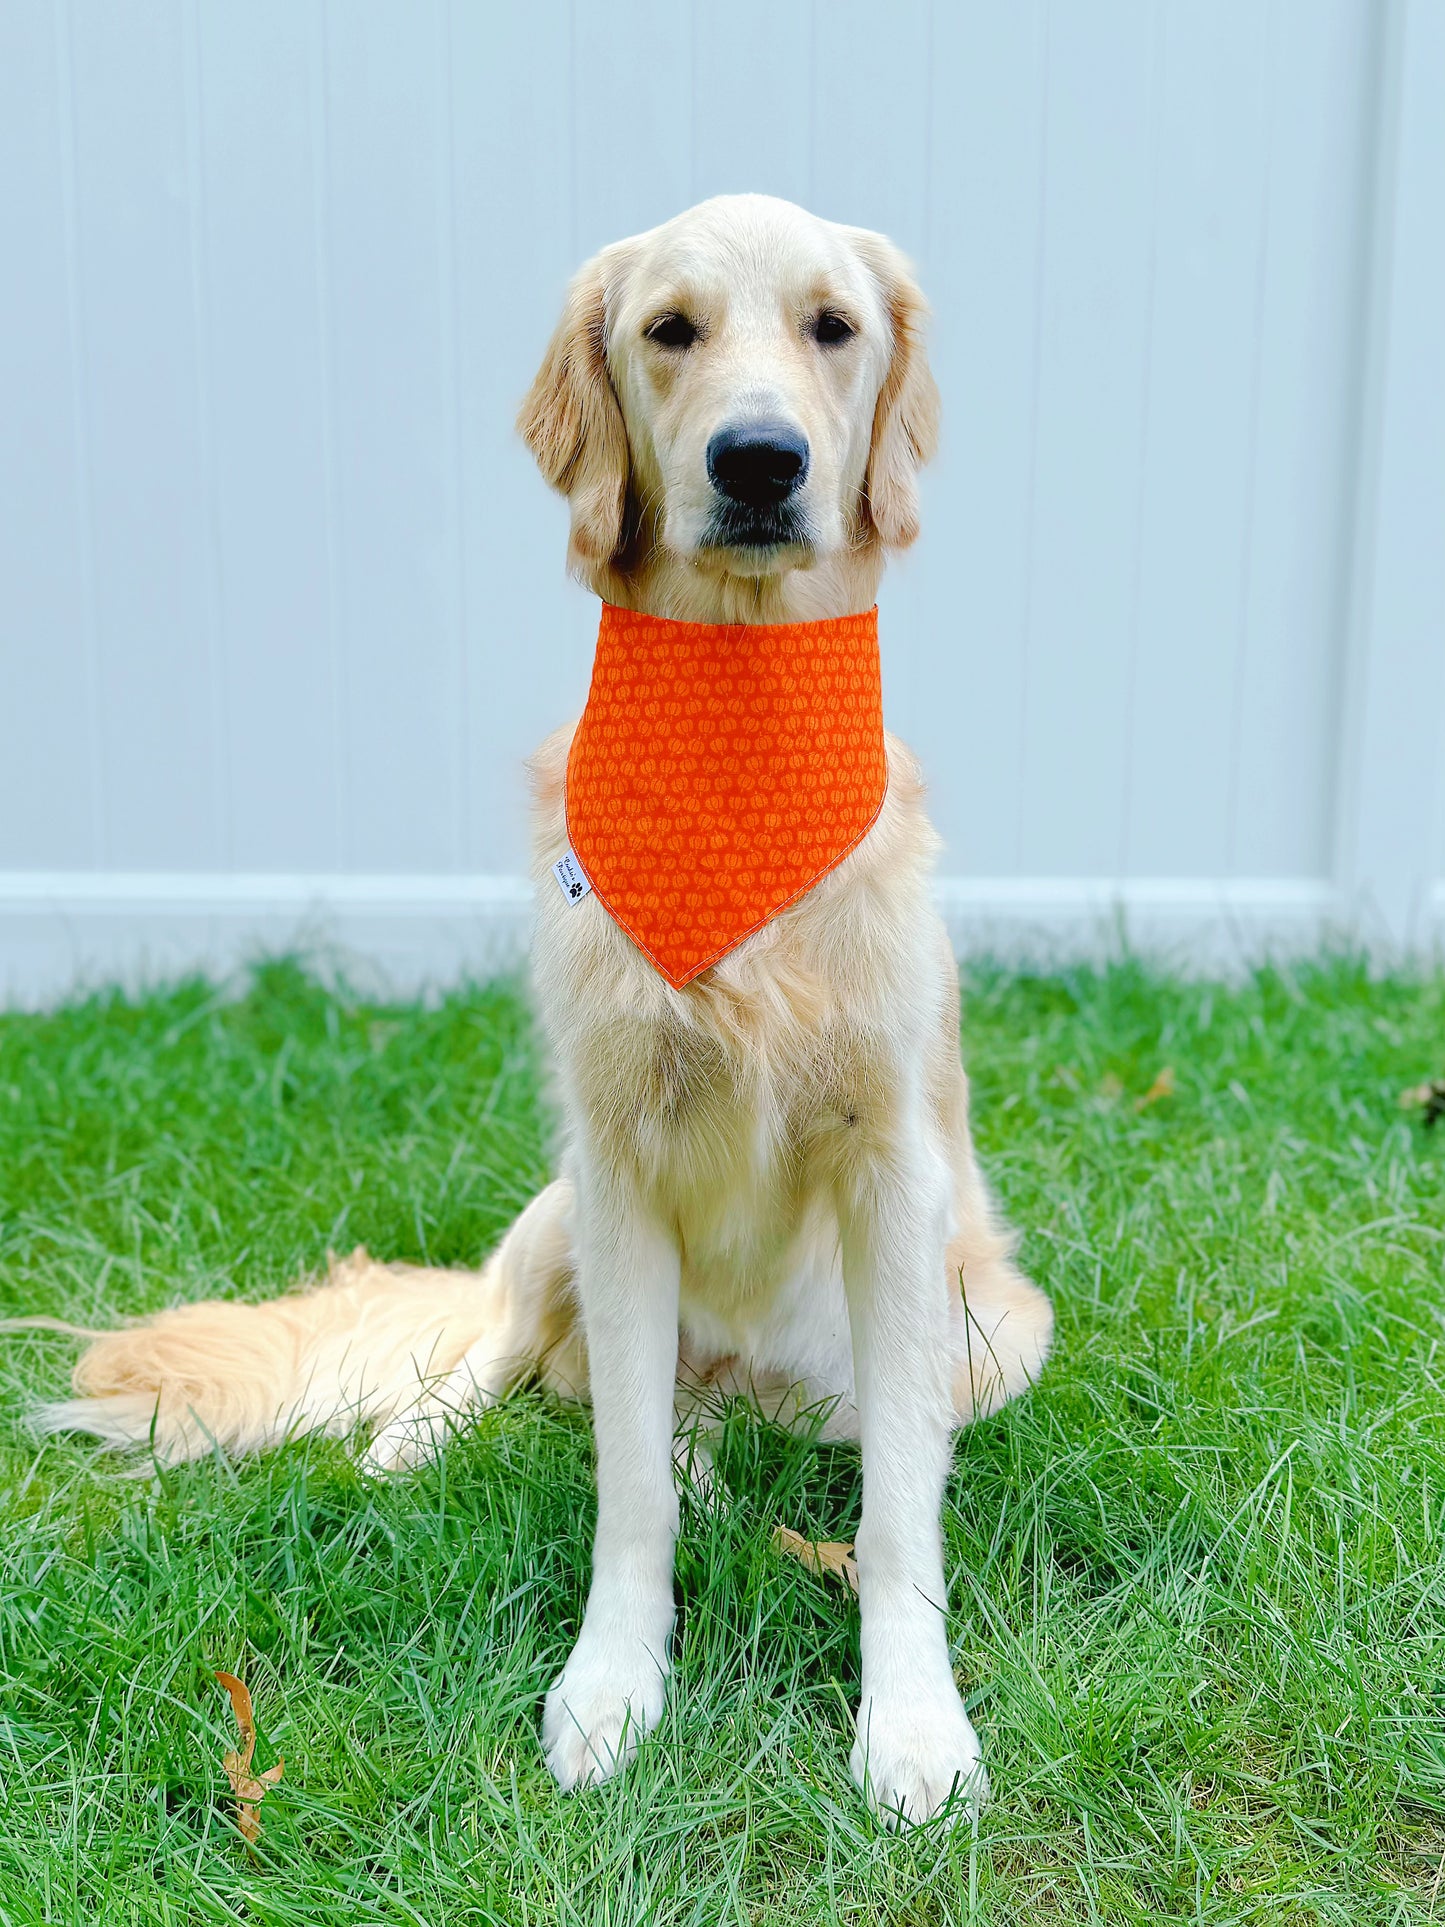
(905, 421)
(572, 423)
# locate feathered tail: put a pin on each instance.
(399, 1347)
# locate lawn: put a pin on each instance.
(1198, 1605)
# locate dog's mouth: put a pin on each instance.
(756, 528)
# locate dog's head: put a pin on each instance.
(743, 389)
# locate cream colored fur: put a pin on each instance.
(769, 1189)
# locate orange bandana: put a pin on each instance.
(719, 771)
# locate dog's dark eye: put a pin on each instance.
(672, 331)
(829, 329)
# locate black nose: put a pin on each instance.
(760, 463)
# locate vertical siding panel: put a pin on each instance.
(383, 244)
(1390, 767)
(1195, 481)
(198, 205)
(267, 435)
(1094, 323)
(632, 114)
(981, 275)
(48, 769)
(454, 578)
(870, 117)
(1159, 37)
(528, 629)
(319, 117)
(1293, 659)
(147, 480)
(751, 92)
(870, 131)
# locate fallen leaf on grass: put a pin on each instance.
(249, 1788)
(1163, 1086)
(819, 1556)
(1428, 1097)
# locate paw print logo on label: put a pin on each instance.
(571, 878)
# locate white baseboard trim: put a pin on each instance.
(66, 931)
(1213, 922)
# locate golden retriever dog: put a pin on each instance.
(768, 1189)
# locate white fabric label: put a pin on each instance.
(571, 879)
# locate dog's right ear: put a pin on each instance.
(572, 423)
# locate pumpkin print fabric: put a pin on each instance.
(719, 771)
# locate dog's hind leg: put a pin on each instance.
(1000, 1325)
(535, 1329)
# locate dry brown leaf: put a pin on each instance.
(249, 1788)
(819, 1555)
(1163, 1086)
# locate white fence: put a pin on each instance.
(282, 604)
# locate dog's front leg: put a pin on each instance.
(915, 1745)
(612, 1688)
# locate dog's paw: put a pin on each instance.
(609, 1695)
(919, 1757)
(407, 1442)
(696, 1473)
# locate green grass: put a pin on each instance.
(1198, 1605)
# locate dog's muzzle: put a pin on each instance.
(757, 468)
